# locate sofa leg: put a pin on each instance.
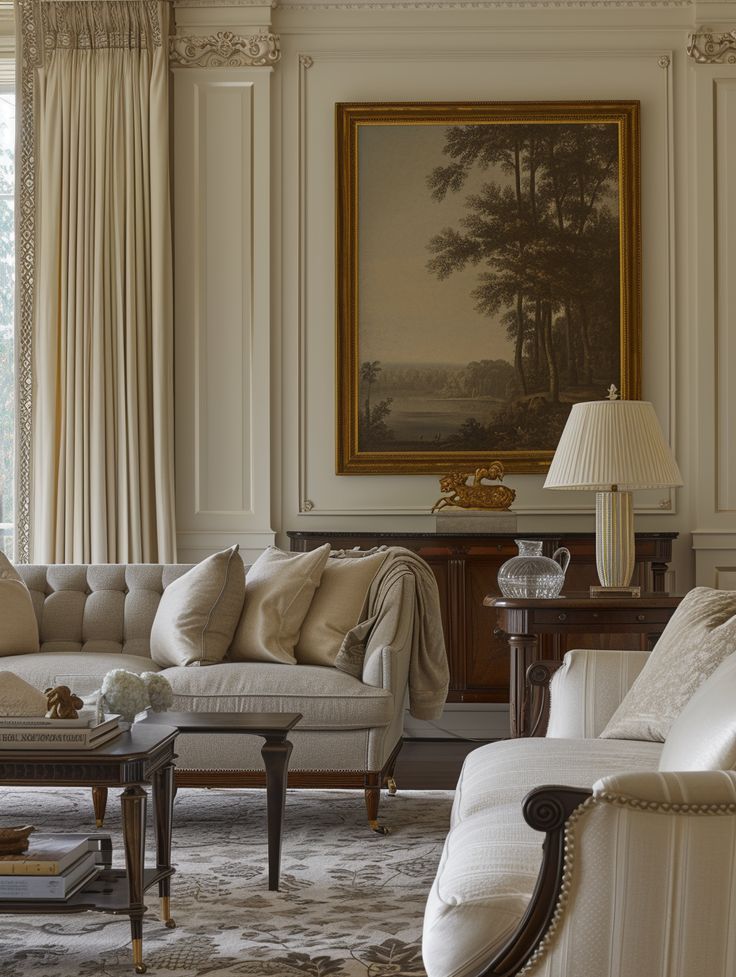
(372, 798)
(99, 802)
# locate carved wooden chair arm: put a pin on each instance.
(545, 809)
(539, 675)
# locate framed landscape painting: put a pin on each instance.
(488, 277)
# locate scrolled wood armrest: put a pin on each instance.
(539, 675)
(546, 809)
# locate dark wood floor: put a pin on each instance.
(431, 764)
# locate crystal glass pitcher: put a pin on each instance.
(530, 574)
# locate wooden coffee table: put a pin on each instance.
(145, 755)
(274, 727)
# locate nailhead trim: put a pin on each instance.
(620, 800)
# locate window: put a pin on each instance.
(7, 290)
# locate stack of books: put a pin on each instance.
(54, 867)
(39, 733)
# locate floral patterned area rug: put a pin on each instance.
(351, 901)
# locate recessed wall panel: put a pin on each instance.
(224, 320)
(725, 243)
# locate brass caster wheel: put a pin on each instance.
(380, 829)
(170, 924)
(140, 968)
(392, 788)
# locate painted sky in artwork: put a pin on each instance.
(406, 314)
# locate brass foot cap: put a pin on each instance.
(392, 788)
(140, 968)
(170, 924)
(99, 822)
(380, 829)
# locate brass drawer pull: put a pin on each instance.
(641, 617)
(562, 616)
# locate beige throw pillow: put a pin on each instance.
(279, 588)
(699, 636)
(18, 624)
(337, 607)
(199, 611)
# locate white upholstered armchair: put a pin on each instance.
(638, 873)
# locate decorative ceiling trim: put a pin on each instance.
(302, 5)
(708, 46)
(225, 50)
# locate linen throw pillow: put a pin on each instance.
(699, 636)
(279, 588)
(337, 607)
(18, 624)
(198, 612)
(703, 737)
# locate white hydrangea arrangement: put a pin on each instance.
(128, 693)
(160, 693)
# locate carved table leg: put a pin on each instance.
(275, 752)
(133, 803)
(523, 649)
(99, 802)
(163, 799)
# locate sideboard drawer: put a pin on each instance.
(606, 615)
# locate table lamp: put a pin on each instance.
(611, 447)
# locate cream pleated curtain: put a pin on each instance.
(101, 422)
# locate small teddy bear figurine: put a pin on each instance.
(62, 703)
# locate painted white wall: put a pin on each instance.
(255, 281)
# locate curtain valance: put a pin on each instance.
(98, 24)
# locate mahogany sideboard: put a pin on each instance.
(466, 567)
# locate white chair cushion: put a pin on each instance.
(703, 737)
(326, 698)
(503, 773)
(698, 636)
(41, 670)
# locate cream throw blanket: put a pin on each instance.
(429, 674)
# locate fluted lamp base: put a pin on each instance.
(615, 546)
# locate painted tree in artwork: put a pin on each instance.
(543, 232)
(372, 426)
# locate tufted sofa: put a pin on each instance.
(637, 877)
(95, 618)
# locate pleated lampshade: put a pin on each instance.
(613, 442)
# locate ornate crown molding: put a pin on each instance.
(225, 50)
(308, 5)
(706, 46)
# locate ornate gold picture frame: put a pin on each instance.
(488, 277)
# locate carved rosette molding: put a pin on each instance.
(708, 46)
(225, 50)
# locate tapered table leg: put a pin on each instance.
(133, 802)
(163, 800)
(524, 651)
(275, 752)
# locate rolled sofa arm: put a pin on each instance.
(669, 792)
(636, 879)
(588, 688)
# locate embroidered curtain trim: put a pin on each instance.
(43, 27)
